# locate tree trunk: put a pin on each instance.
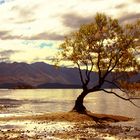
(79, 107)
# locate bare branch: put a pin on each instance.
(126, 99)
(123, 90)
(109, 71)
(114, 85)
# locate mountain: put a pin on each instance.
(42, 75)
(58, 85)
(36, 74)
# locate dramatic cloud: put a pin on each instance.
(130, 17)
(74, 21)
(53, 20)
(37, 27)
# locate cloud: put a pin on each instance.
(122, 5)
(47, 36)
(22, 20)
(29, 50)
(74, 20)
(24, 14)
(37, 27)
(6, 54)
(50, 58)
(31, 19)
(36, 59)
(6, 35)
(129, 17)
(3, 33)
(2, 1)
(138, 1)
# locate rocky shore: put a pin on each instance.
(71, 125)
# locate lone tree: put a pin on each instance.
(108, 48)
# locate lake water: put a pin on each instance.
(36, 101)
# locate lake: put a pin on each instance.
(36, 101)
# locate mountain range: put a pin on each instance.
(37, 74)
(41, 75)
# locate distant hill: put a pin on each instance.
(41, 75)
(16, 86)
(38, 74)
(58, 85)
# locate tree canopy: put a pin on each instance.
(104, 46)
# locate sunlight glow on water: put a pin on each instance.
(37, 101)
(41, 128)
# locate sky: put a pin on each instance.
(32, 30)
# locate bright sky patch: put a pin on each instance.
(33, 29)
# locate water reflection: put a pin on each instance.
(54, 100)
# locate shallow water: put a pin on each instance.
(33, 129)
(37, 101)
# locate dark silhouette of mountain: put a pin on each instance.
(41, 75)
(58, 85)
(135, 78)
(36, 75)
(16, 86)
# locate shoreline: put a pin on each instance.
(67, 125)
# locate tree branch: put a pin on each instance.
(109, 71)
(86, 70)
(98, 65)
(89, 72)
(124, 91)
(80, 72)
(126, 99)
(114, 85)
